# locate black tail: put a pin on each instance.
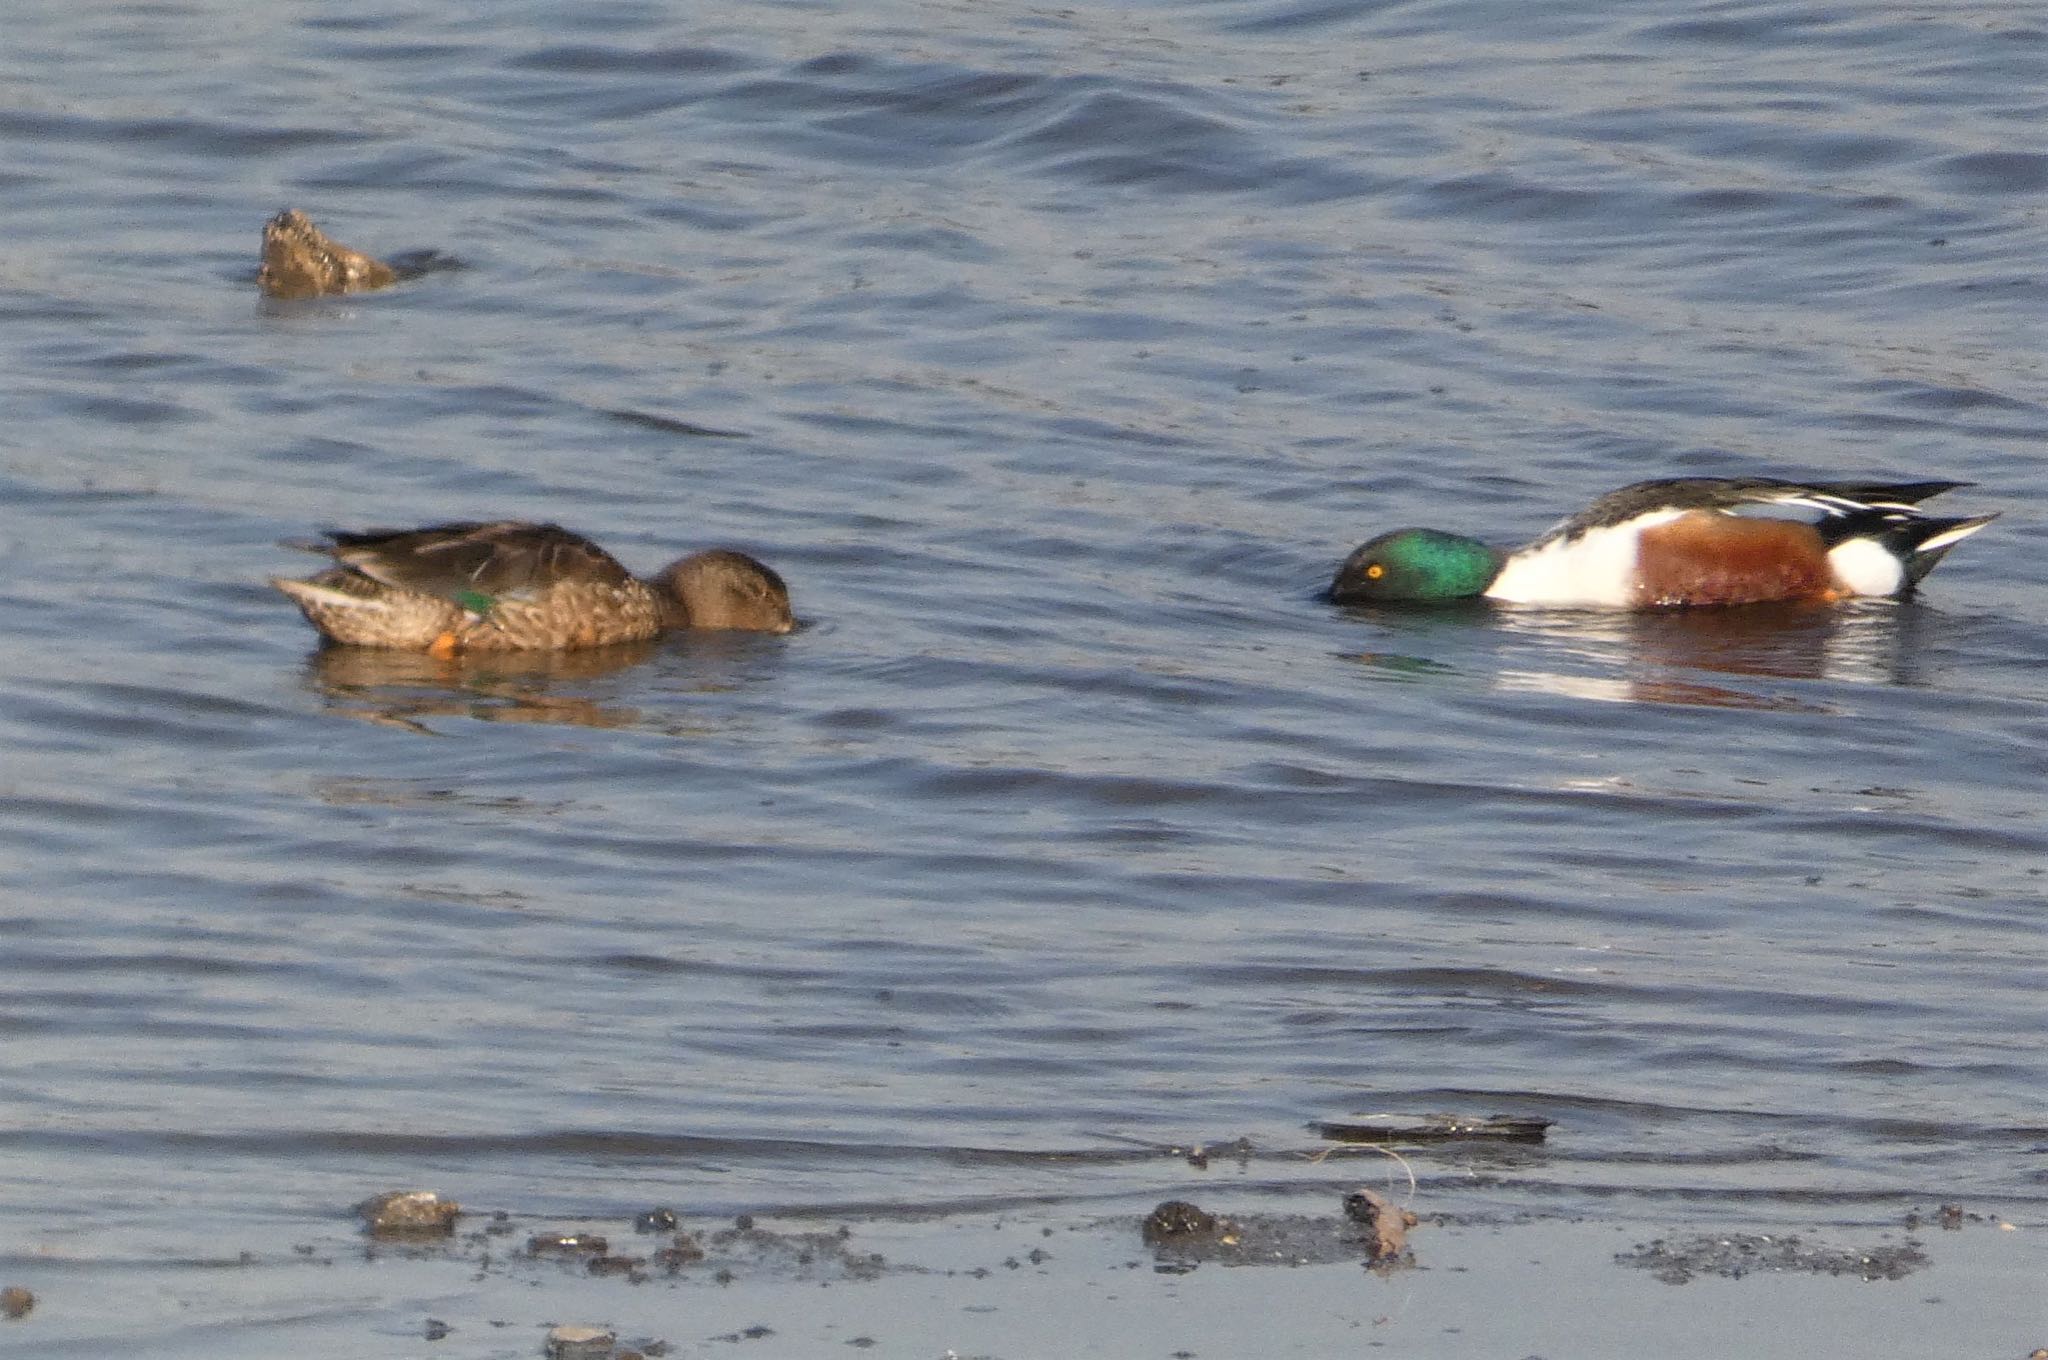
(1922, 543)
(1918, 541)
(1886, 493)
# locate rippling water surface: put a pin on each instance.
(1056, 356)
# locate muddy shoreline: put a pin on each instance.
(662, 1282)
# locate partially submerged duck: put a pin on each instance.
(510, 586)
(301, 261)
(1678, 542)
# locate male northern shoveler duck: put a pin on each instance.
(515, 587)
(1681, 541)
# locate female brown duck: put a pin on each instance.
(509, 586)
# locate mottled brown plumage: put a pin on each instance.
(510, 586)
(301, 261)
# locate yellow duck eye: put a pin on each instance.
(1374, 572)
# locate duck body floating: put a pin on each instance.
(1685, 541)
(510, 586)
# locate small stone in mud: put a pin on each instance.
(580, 1343)
(656, 1220)
(15, 1302)
(757, 1332)
(409, 1213)
(1176, 1218)
(566, 1244)
(1388, 1225)
(301, 261)
(684, 1251)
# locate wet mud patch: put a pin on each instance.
(1731, 1256)
(653, 1246)
(1370, 1231)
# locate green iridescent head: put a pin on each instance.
(1415, 564)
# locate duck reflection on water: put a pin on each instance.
(404, 689)
(1660, 656)
(574, 688)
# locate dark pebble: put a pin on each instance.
(567, 1244)
(408, 1213)
(1177, 1218)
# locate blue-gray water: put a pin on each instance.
(1059, 355)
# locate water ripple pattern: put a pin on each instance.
(1056, 356)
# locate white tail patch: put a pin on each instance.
(1863, 566)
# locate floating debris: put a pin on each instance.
(15, 1302)
(1388, 1224)
(1433, 1128)
(409, 1213)
(1183, 1237)
(656, 1220)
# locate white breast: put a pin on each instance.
(1596, 569)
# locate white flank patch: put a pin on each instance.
(1863, 566)
(1596, 569)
